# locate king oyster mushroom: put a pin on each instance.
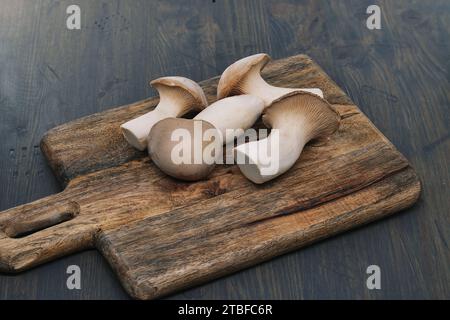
(295, 119)
(244, 77)
(178, 96)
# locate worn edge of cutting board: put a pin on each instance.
(134, 285)
(253, 243)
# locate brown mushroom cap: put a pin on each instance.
(182, 90)
(160, 146)
(233, 75)
(321, 118)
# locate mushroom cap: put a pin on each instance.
(235, 73)
(161, 144)
(189, 89)
(321, 118)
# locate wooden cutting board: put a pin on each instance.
(161, 235)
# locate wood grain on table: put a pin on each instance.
(399, 76)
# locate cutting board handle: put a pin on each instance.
(36, 232)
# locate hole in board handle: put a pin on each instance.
(20, 229)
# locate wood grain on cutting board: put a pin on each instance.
(161, 235)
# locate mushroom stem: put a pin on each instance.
(295, 119)
(136, 131)
(233, 115)
(265, 159)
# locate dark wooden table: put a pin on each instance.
(399, 76)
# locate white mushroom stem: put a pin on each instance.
(178, 96)
(295, 119)
(137, 130)
(265, 159)
(233, 115)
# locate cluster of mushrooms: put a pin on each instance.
(299, 115)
